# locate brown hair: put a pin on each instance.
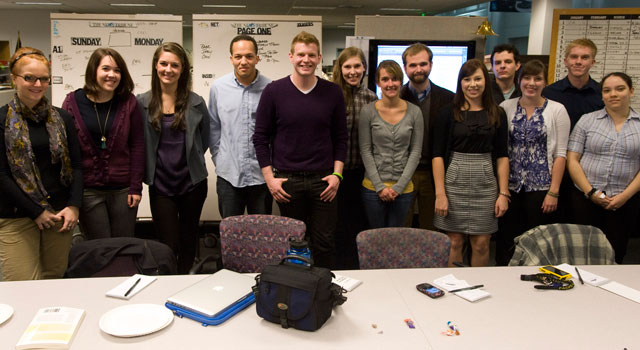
(16, 59)
(305, 38)
(460, 102)
(533, 68)
(627, 79)
(584, 42)
(415, 49)
(182, 93)
(392, 67)
(337, 77)
(91, 87)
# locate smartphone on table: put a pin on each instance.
(430, 290)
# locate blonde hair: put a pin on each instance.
(17, 61)
(584, 42)
(305, 38)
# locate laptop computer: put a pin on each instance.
(214, 294)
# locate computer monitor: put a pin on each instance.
(448, 57)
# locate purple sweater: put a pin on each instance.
(300, 132)
(122, 163)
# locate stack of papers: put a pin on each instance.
(450, 282)
(604, 283)
(345, 282)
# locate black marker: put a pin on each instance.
(132, 287)
(579, 277)
(466, 288)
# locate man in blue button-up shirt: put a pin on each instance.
(232, 104)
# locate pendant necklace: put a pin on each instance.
(103, 139)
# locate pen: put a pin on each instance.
(131, 289)
(579, 277)
(466, 288)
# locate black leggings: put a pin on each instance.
(176, 220)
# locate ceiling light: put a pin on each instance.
(225, 6)
(398, 9)
(38, 3)
(133, 5)
(313, 7)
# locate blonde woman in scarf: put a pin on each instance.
(40, 175)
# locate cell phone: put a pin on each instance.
(430, 290)
(550, 269)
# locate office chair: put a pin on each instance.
(402, 247)
(562, 243)
(249, 242)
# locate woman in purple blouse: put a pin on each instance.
(176, 134)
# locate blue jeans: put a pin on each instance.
(319, 216)
(233, 200)
(386, 214)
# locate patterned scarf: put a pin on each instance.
(20, 153)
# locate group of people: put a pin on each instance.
(490, 158)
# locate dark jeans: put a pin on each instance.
(616, 225)
(351, 219)
(106, 213)
(386, 214)
(319, 216)
(176, 220)
(525, 213)
(233, 200)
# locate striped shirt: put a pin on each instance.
(610, 159)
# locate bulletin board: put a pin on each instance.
(616, 33)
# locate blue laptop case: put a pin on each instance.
(218, 318)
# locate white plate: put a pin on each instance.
(5, 312)
(135, 320)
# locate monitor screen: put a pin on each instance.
(448, 57)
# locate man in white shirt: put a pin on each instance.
(233, 101)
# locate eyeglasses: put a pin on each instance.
(32, 79)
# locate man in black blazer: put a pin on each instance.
(418, 62)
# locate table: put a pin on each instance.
(516, 316)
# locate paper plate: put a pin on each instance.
(5, 312)
(135, 320)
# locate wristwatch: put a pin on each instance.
(588, 195)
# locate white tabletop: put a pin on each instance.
(516, 316)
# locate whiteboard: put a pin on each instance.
(213, 33)
(75, 36)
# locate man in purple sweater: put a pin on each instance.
(301, 143)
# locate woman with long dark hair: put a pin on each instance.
(604, 163)
(349, 72)
(109, 123)
(176, 132)
(40, 175)
(470, 136)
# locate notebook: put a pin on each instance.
(214, 294)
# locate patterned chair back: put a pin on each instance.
(562, 243)
(402, 247)
(249, 242)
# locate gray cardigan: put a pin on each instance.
(390, 152)
(196, 138)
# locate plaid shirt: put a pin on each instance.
(361, 96)
(610, 159)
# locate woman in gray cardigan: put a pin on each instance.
(390, 135)
(176, 133)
